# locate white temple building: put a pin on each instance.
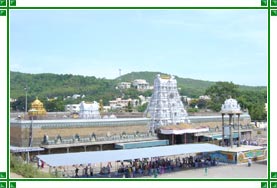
(89, 111)
(165, 106)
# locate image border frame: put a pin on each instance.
(8, 8)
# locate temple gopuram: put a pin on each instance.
(165, 107)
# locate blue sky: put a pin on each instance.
(214, 45)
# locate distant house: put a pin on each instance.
(205, 97)
(140, 84)
(68, 97)
(124, 85)
(76, 96)
(12, 100)
(52, 99)
(106, 108)
(73, 108)
(119, 103)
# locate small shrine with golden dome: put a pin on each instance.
(37, 108)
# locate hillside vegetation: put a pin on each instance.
(53, 85)
(189, 87)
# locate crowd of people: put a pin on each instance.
(146, 167)
(163, 165)
(250, 142)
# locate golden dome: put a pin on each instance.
(37, 108)
(37, 102)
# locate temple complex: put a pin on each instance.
(165, 107)
(58, 132)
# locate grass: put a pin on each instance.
(18, 166)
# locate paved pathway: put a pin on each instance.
(228, 171)
(257, 170)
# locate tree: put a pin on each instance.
(202, 103)
(220, 92)
(101, 108)
(142, 108)
(254, 101)
(257, 112)
(193, 103)
(19, 104)
(54, 105)
(129, 107)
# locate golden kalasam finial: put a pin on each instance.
(165, 76)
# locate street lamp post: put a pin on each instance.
(31, 132)
(223, 134)
(26, 106)
(32, 112)
(238, 131)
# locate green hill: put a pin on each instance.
(51, 85)
(189, 87)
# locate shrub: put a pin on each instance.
(18, 166)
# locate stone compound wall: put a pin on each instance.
(20, 136)
(16, 134)
(86, 132)
(19, 132)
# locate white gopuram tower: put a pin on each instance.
(165, 106)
